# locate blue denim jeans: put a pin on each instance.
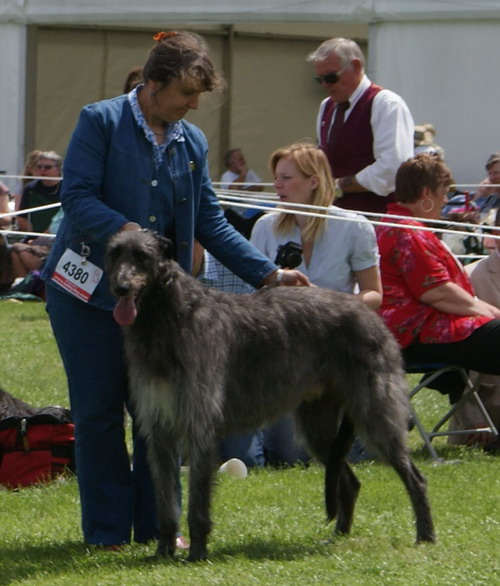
(280, 446)
(274, 445)
(116, 494)
(247, 447)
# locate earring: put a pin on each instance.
(427, 211)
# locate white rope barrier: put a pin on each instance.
(30, 234)
(30, 177)
(30, 210)
(249, 200)
(452, 186)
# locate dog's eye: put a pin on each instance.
(112, 254)
(141, 256)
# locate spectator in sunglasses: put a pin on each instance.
(40, 192)
(366, 131)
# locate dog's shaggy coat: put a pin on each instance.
(204, 364)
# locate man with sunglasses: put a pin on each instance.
(366, 131)
(40, 192)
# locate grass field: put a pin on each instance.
(269, 528)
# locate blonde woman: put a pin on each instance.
(339, 248)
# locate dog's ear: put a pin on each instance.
(166, 246)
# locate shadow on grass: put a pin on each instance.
(447, 453)
(26, 563)
(259, 549)
(23, 562)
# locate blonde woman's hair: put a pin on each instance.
(310, 160)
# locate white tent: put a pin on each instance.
(56, 55)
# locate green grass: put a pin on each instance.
(268, 528)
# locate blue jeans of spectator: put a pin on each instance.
(247, 447)
(280, 446)
(274, 444)
(116, 496)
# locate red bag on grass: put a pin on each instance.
(35, 448)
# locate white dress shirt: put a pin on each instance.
(393, 129)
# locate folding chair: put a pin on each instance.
(430, 373)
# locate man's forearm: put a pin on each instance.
(348, 184)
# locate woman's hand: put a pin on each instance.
(286, 277)
(293, 277)
(130, 226)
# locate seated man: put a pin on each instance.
(238, 177)
(488, 198)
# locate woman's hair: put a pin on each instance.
(310, 160)
(31, 161)
(180, 55)
(421, 171)
(345, 49)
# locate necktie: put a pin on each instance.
(338, 121)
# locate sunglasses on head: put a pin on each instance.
(329, 78)
(46, 167)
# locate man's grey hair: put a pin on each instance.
(345, 49)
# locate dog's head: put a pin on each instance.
(134, 260)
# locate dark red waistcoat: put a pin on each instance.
(353, 150)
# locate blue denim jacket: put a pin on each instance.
(110, 179)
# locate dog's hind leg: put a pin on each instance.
(336, 497)
(348, 491)
(330, 443)
(416, 486)
(341, 484)
(201, 479)
(394, 451)
(382, 420)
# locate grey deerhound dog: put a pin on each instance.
(204, 364)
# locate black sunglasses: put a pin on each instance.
(329, 78)
(46, 167)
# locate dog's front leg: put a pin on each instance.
(163, 455)
(201, 476)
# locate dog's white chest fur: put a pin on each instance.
(154, 402)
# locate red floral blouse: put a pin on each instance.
(411, 263)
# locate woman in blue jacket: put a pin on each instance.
(132, 163)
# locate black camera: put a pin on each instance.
(289, 255)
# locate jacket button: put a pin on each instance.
(152, 218)
(183, 245)
(154, 183)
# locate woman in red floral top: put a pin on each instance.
(429, 302)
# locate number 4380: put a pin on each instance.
(75, 272)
